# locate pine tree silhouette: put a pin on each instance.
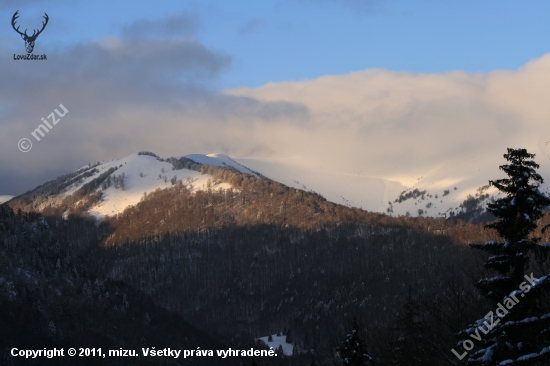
(353, 350)
(411, 348)
(517, 332)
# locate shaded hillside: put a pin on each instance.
(262, 279)
(49, 297)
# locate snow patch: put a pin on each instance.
(278, 341)
(144, 173)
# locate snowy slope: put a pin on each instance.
(356, 189)
(278, 341)
(373, 192)
(221, 160)
(359, 188)
(144, 174)
(155, 174)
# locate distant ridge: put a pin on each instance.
(119, 183)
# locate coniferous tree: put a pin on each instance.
(517, 332)
(411, 348)
(353, 350)
(518, 212)
(288, 338)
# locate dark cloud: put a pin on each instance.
(128, 69)
(123, 95)
(172, 26)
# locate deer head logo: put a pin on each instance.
(29, 40)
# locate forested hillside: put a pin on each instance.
(242, 263)
(254, 201)
(50, 296)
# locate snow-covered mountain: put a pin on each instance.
(436, 193)
(457, 186)
(128, 179)
(145, 173)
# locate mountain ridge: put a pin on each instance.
(130, 178)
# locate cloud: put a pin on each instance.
(108, 73)
(386, 121)
(158, 94)
(172, 26)
(123, 95)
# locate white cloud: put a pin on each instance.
(396, 121)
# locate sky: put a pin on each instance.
(394, 87)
